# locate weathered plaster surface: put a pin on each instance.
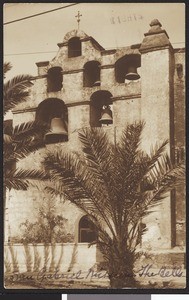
(149, 99)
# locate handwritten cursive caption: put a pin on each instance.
(44, 275)
(144, 271)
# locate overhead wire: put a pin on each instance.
(39, 14)
(29, 53)
(35, 15)
(46, 52)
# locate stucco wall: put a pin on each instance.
(155, 111)
(64, 257)
(148, 99)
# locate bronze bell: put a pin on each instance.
(96, 83)
(58, 132)
(132, 73)
(106, 117)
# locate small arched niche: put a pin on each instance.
(74, 47)
(54, 113)
(54, 79)
(87, 231)
(125, 65)
(91, 74)
(99, 99)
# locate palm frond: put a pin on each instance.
(115, 186)
(20, 179)
(97, 149)
(28, 130)
(18, 83)
(25, 139)
(157, 152)
(142, 170)
(99, 154)
(163, 172)
(21, 150)
(7, 139)
(15, 184)
(77, 182)
(30, 174)
(127, 151)
(162, 181)
(130, 139)
(6, 67)
(16, 91)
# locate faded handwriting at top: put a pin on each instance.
(121, 19)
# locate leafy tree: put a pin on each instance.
(115, 185)
(49, 227)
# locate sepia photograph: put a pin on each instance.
(94, 185)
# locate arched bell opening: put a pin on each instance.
(87, 231)
(74, 47)
(101, 109)
(54, 113)
(126, 68)
(91, 74)
(54, 79)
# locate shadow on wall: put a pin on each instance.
(21, 258)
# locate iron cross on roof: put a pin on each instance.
(78, 18)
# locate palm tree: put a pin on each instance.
(115, 185)
(24, 138)
(21, 140)
(16, 90)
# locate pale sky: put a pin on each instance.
(111, 24)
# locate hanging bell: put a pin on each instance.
(106, 117)
(132, 73)
(57, 133)
(96, 83)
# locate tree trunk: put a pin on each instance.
(121, 271)
(122, 280)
